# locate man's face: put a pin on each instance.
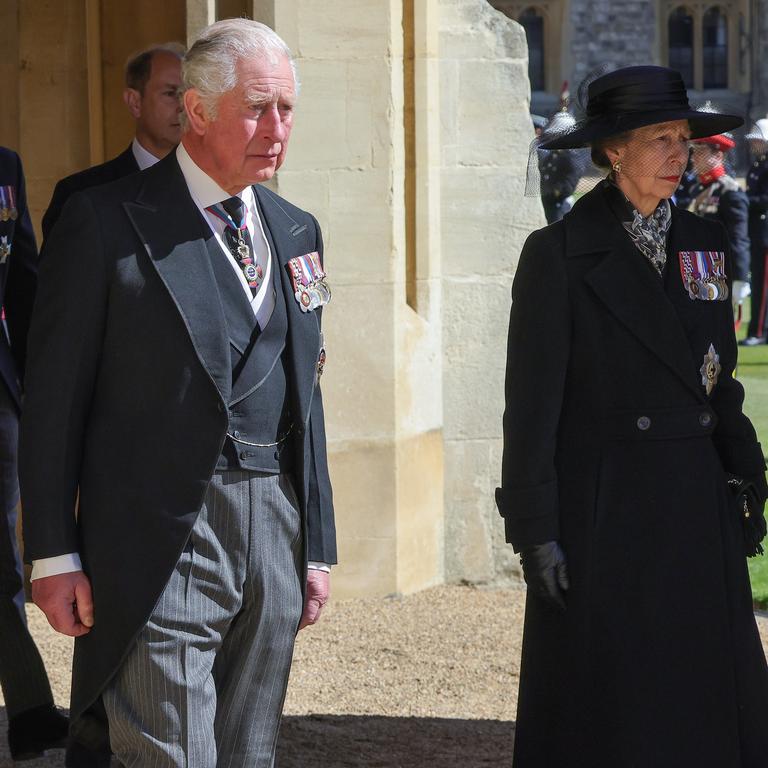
(247, 141)
(158, 108)
(705, 158)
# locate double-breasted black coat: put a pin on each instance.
(129, 380)
(613, 447)
(18, 272)
(122, 165)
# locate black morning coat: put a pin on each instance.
(18, 276)
(129, 373)
(613, 447)
(122, 165)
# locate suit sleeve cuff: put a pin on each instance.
(315, 565)
(53, 566)
(531, 515)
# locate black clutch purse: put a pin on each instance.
(749, 502)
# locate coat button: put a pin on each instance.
(705, 419)
(643, 423)
(236, 434)
(243, 455)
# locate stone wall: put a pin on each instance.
(618, 32)
(759, 37)
(486, 132)
(383, 404)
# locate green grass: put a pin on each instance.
(753, 374)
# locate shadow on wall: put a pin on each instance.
(348, 741)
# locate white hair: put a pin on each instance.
(210, 65)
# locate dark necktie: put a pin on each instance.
(232, 212)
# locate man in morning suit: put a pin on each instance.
(173, 383)
(34, 724)
(152, 85)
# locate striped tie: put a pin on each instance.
(232, 212)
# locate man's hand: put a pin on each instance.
(545, 572)
(318, 591)
(66, 601)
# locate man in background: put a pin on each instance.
(718, 196)
(152, 86)
(34, 724)
(757, 192)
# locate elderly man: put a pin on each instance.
(152, 87)
(173, 383)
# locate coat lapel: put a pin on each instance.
(631, 291)
(174, 234)
(288, 239)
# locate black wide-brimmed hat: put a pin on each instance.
(633, 97)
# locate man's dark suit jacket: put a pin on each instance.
(122, 165)
(129, 376)
(18, 276)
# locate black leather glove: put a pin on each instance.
(545, 572)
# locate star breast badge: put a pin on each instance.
(710, 370)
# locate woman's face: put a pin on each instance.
(652, 160)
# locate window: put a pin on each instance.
(533, 24)
(715, 48)
(681, 44)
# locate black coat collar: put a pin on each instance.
(626, 283)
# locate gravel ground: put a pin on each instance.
(413, 682)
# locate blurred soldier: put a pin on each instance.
(689, 187)
(559, 171)
(757, 192)
(34, 724)
(152, 85)
(720, 197)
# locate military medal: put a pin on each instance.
(252, 272)
(5, 249)
(320, 359)
(703, 274)
(12, 211)
(710, 369)
(8, 203)
(310, 288)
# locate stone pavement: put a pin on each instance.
(425, 680)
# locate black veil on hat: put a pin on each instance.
(634, 97)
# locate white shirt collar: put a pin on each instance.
(203, 188)
(144, 158)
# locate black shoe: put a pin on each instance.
(30, 733)
(752, 341)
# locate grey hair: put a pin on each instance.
(210, 65)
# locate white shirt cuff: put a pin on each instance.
(53, 566)
(316, 566)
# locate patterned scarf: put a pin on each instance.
(649, 234)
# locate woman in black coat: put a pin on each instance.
(623, 425)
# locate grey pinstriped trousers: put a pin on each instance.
(204, 685)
